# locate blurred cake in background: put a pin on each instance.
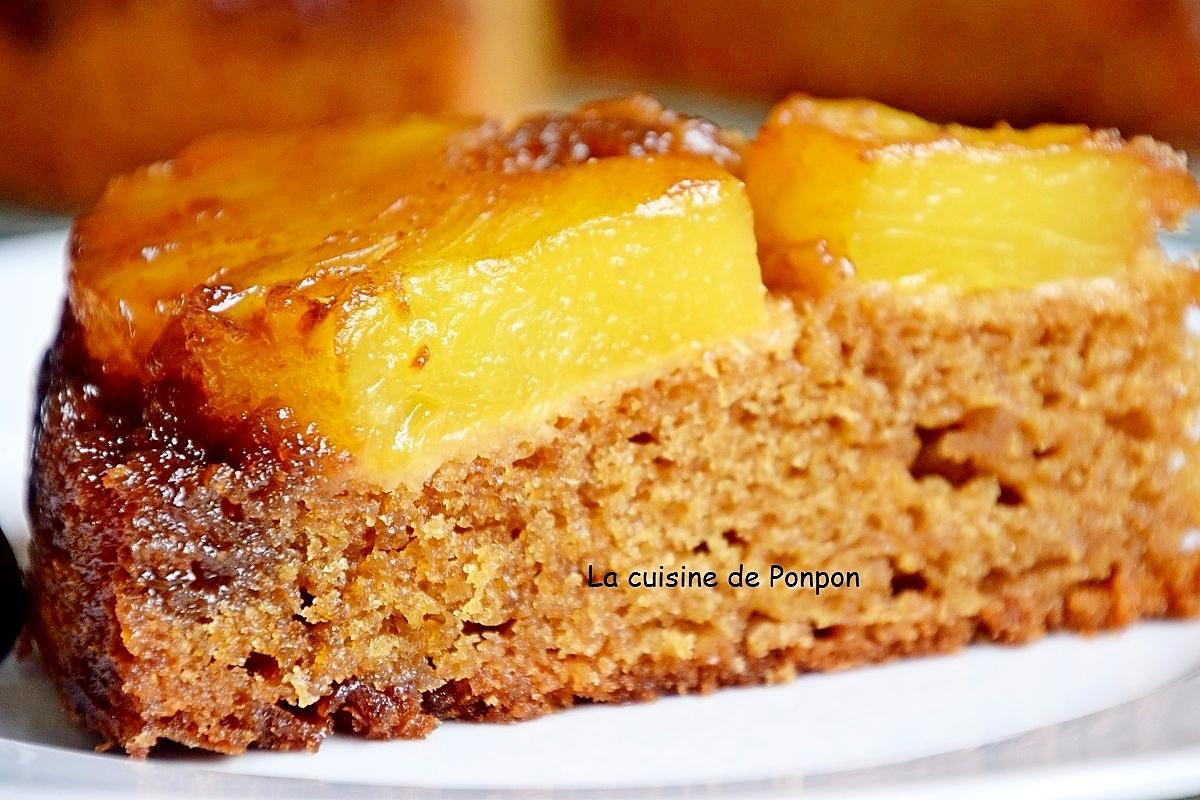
(91, 88)
(1109, 63)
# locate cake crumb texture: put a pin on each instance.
(994, 465)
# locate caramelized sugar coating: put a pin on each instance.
(409, 290)
(992, 464)
(637, 125)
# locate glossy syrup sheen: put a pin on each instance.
(407, 304)
(898, 198)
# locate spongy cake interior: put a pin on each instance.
(993, 469)
(991, 465)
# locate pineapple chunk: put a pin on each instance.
(854, 185)
(405, 302)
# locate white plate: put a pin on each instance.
(1111, 716)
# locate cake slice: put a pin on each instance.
(372, 427)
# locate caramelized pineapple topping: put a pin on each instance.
(412, 289)
(854, 186)
(405, 299)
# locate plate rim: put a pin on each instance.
(1168, 770)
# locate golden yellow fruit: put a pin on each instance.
(852, 184)
(406, 300)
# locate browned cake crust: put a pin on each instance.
(993, 467)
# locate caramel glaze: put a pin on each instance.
(170, 404)
(89, 423)
(93, 422)
(636, 125)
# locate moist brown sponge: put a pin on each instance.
(993, 466)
